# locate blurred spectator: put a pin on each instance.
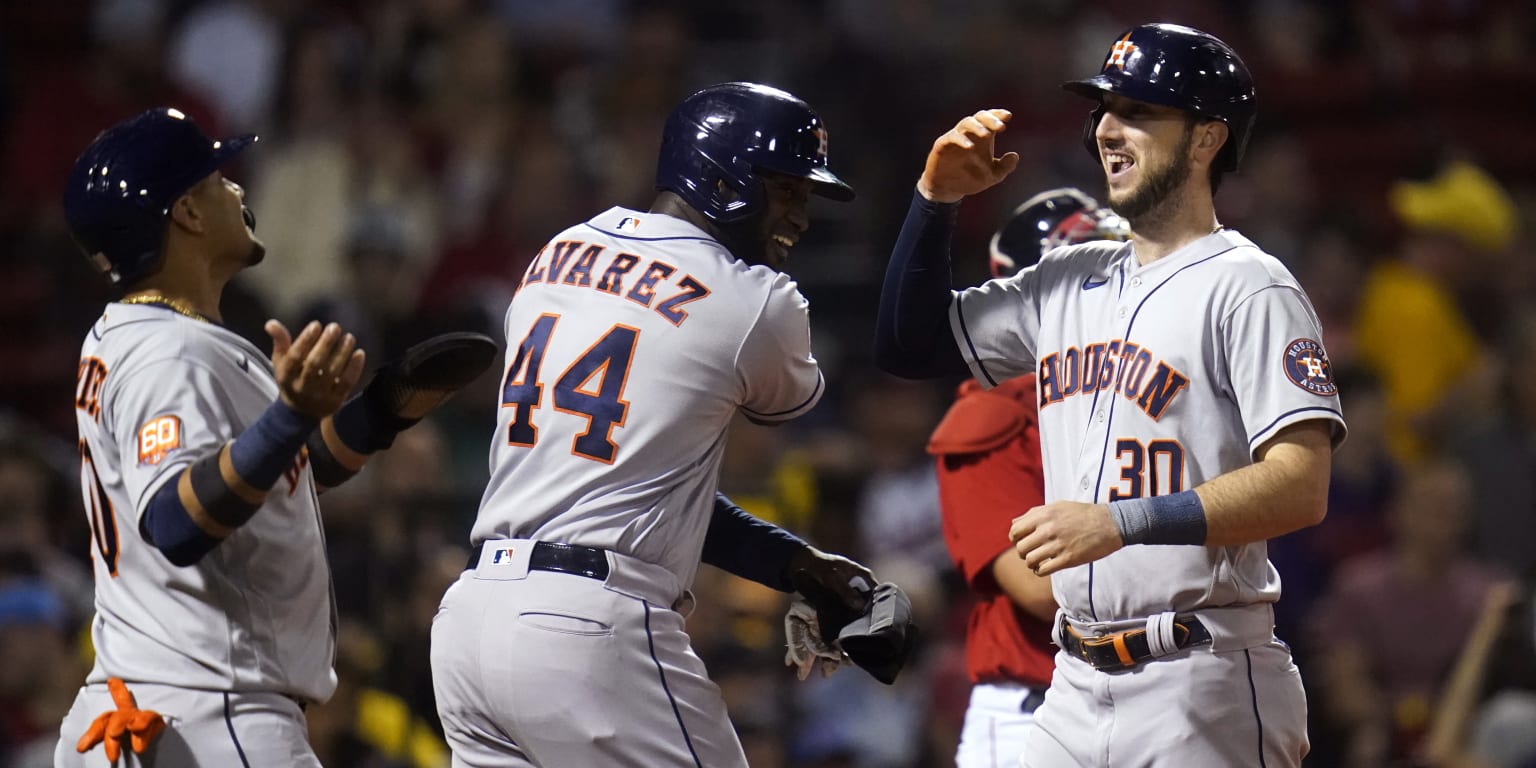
(899, 510)
(1409, 330)
(39, 676)
(1394, 622)
(766, 474)
(1331, 268)
(1495, 442)
(376, 299)
(229, 52)
(35, 505)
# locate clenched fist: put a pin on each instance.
(1063, 534)
(961, 162)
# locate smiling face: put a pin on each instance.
(768, 237)
(1150, 151)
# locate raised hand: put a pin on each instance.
(316, 371)
(961, 162)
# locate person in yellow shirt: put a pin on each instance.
(1409, 329)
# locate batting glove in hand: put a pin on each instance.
(806, 645)
(405, 390)
(837, 588)
(141, 726)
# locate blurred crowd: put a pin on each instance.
(415, 154)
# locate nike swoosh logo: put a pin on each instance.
(245, 364)
(1089, 284)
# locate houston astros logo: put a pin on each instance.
(1122, 51)
(1307, 366)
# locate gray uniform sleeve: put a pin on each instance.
(997, 325)
(1276, 365)
(165, 415)
(779, 375)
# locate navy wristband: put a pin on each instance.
(1178, 518)
(265, 449)
(367, 426)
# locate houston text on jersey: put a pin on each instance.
(1118, 366)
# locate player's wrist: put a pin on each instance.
(935, 194)
(1177, 518)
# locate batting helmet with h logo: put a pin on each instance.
(1176, 66)
(718, 139)
(122, 186)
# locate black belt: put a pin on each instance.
(574, 559)
(1123, 650)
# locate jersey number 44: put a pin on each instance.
(591, 387)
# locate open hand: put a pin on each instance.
(1063, 534)
(316, 371)
(961, 162)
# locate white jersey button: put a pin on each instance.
(1123, 311)
(1135, 282)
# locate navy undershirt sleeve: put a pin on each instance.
(912, 335)
(169, 527)
(745, 546)
(259, 456)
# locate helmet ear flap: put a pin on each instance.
(1091, 127)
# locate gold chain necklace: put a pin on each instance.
(171, 304)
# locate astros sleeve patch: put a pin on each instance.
(1307, 366)
(157, 438)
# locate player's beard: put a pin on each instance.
(258, 249)
(1157, 185)
(746, 241)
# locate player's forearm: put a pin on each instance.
(332, 460)
(220, 492)
(1030, 592)
(1286, 490)
(742, 545)
(912, 336)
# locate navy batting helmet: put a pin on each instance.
(1177, 66)
(1051, 219)
(123, 185)
(716, 140)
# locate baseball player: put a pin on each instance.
(988, 455)
(632, 341)
(1187, 414)
(200, 461)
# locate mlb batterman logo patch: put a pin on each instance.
(1307, 366)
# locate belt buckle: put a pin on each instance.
(1089, 646)
(1117, 644)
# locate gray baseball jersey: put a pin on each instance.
(155, 391)
(1153, 379)
(631, 344)
(633, 341)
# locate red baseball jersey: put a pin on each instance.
(988, 453)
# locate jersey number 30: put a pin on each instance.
(591, 387)
(1160, 464)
